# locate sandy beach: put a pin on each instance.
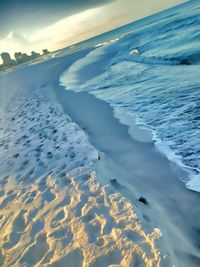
(72, 177)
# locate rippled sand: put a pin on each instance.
(70, 220)
(53, 209)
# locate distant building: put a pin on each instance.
(18, 57)
(34, 55)
(25, 57)
(7, 61)
(45, 51)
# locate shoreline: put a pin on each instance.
(82, 71)
(148, 167)
(129, 166)
(55, 210)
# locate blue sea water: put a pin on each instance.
(153, 78)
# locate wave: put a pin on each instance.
(164, 147)
(70, 76)
(192, 181)
(182, 23)
(192, 59)
(109, 42)
(138, 80)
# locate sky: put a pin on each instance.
(53, 24)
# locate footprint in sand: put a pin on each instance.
(7, 200)
(33, 193)
(100, 242)
(24, 164)
(133, 236)
(36, 227)
(70, 259)
(34, 254)
(80, 206)
(56, 220)
(29, 200)
(67, 239)
(58, 233)
(49, 155)
(10, 192)
(93, 230)
(48, 195)
(64, 234)
(111, 258)
(65, 181)
(17, 231)
(42, 185)
(6, 147)
(88, 214)
(16, 155)
(137, 261)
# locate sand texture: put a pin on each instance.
(53, 209)
(70, 220)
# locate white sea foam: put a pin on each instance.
(109, 42)
(69, 77)
(194, 183)
(142, 134)
(147, 134)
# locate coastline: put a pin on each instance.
(132, 168)
(55, 209)
(140, 170)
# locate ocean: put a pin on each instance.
(149, 72)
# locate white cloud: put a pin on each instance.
(96, 21)
(67, 27)
(12, 42)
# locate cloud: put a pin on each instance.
(34, 14)
(127, 11)
(72, 29)
(13, 42)
(67, 27)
